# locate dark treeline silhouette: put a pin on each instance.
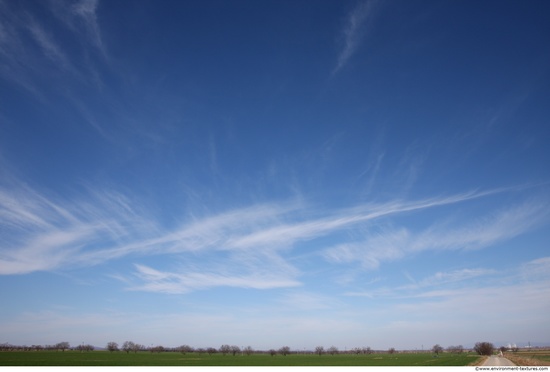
(60, 346)
(482, 348)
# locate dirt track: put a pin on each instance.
(497, 361)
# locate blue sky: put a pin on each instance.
(269, 173)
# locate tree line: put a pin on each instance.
(481, 348)
(60, 346)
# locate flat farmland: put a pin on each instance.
(105, 358)
(536, 357)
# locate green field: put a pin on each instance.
(105, 358)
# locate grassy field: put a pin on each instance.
(536, 357)
(105, 358)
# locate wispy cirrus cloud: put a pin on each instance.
(391, 244)
(42, 234)
(437, 301)
(460, 293)
(249, 247)
(526, 299)
(47, 233)
(81, 18)
(450, 277)
(18, 59)
(456, 312)
(536, 269)
(30, 50)
(354, 31)
(153, 280)
(86, 10)
(284, 234)
(49, 47)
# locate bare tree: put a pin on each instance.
(437, 349)
(248, 350)
(367, 350)
(83, 348)
(272, 352)
(62, 346)
(455, 349)
(184, 349)
(285, 350)
(319, 350)
(211, 350)
(112, 346)
(484, 348)
(332, 350)
(225, 349)
(391, 350)
(157, 349)
(235, 349)
(128, 346)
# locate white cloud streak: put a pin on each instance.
(354, 31)
(434, 313)
(392, 244)
(30, 52)
(248, 247)
(81, 18)
(176, 283)
(48, 45)
(468, 298)
(536, 270)
(287, 234)
(40, 233)
(86, 10)
(453, 276)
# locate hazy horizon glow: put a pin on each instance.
(270, 173)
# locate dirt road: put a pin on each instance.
(497, 361)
